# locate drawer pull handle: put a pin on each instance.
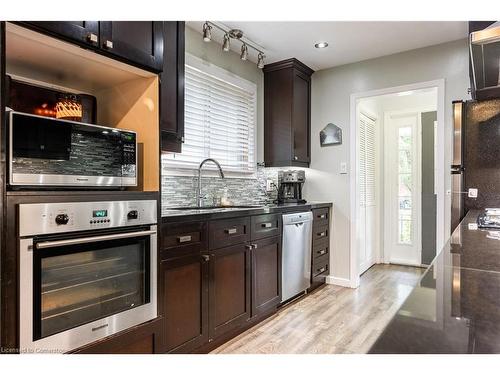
(249, 247)
(266, 225)
(231, 231)
(323, 216)
(322, 269)
(182, 239)
(322, 234)
(206, 258)
(321, 252)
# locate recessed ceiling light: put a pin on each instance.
(321, 45)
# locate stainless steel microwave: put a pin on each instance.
(49, 152)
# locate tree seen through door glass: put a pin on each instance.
(405, 185)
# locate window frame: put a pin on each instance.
(168, 165)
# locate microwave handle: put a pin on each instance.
(76, 241)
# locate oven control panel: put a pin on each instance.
(47, 218)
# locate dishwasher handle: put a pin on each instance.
(297, 218)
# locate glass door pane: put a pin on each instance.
(405, 185)
(79, 284)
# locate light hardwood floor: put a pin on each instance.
(332, 319)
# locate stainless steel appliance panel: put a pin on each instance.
(296, 254)
(77, 285)
(45, 151)
(42, 218)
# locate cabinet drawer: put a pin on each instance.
(320, 233)
(321, 217)
(228, 232)
(320, 265)
(320, 249)
(263, 226)
(184, 237)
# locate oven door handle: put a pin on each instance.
(76, 241)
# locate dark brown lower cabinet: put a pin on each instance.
(185, 302)
(266, 275)
(229, 296)
(143, 339)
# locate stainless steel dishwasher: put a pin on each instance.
(296, 254)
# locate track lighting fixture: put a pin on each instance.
(244, 52)
(207, 32)
(236, 34)
(260, 60)
(226, 43)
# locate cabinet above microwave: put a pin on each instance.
(484, 47)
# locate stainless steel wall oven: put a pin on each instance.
(87, 270)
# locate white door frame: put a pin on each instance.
(353, 165)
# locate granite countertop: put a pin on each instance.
(172, 214)
(455, 307)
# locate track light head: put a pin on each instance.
(244, 52)
(226, 44)
(207, 32)
(260, 60)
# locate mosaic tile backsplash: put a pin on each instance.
(180, 191)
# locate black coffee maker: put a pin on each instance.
(290, 186)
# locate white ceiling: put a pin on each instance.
(348, 41)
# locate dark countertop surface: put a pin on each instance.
(172, 214)
(455, 307)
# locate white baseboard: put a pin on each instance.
(338, 281)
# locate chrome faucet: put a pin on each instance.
(199, 196)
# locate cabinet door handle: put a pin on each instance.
(249, 247)
(206, 258)
(321, 252)
(92, 38)
(230, 230)
(295, 158)
(323, 216)
(266, 225)
(108, 44)
(322, 234)
(182, 239)
(254, 246)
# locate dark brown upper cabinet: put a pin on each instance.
(172, 87)
(287, 114)
(484, 55)
(80, 32)
(138, 43)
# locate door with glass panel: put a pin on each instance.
(402, 243)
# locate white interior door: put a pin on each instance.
(402, 244)
(367, 228)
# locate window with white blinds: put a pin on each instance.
(220, 115)
(366, 161)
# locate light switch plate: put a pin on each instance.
(269, 185)
(472, 193)
(343, 167)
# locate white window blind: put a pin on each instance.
(366, 160)
(220, 114)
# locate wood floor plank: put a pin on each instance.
(332, 319)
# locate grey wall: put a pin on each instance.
(428, 197)
(331, 91)
(230, 61)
